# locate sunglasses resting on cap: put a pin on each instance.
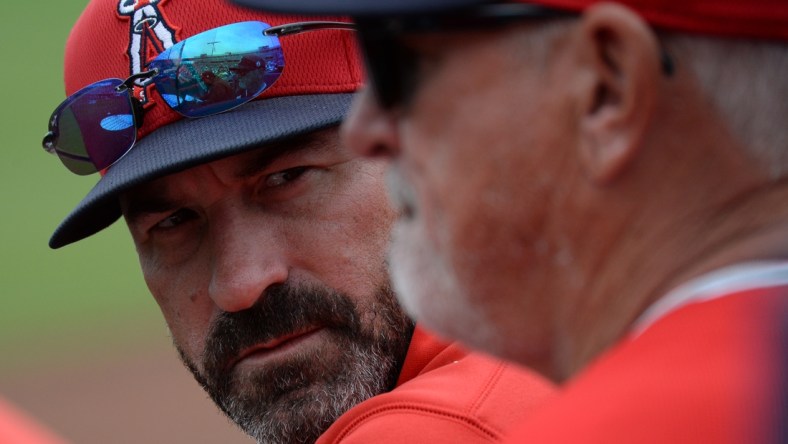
(94, 127)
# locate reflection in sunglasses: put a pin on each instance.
(205, 74)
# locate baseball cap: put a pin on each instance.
(741, 18)
(114, 39)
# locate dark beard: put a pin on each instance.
(296, 400)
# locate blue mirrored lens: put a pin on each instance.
(94, 127)
(218, 69)
(117, 123)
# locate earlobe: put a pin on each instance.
(618, 60)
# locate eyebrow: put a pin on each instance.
(142, 203)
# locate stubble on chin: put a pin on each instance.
(296, 400)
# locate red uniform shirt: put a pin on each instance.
(17, 428)
(712, 371)
(445, 394)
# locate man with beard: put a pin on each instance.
(261, 238)
(596, 190)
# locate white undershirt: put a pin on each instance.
(713, 285)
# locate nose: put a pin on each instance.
(369, 130)
(248, 257)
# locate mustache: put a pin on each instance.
(282, 310)
(400, 193)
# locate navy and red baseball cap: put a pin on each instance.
(114, 38)
(766, 19)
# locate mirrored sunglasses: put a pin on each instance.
(205, 74)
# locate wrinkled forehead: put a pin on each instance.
(245, 164)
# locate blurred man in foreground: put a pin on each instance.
(596, 190)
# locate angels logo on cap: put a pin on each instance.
(150, 33)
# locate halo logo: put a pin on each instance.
(150, 33)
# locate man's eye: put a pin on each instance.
(284, 177)
(176, 218)
(410, 71)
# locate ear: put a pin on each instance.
(619, 64)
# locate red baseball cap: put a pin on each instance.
(115, 38)
(741, 18)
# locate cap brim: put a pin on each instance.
(356, 8)
(190, 142)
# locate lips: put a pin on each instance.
(271, 346)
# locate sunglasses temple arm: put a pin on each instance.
(130, 81)
(296, 28)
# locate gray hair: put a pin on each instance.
(747, 82)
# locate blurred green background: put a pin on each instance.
(85, 295)
(83, 347)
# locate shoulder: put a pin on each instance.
(709, 372)
(473, 399)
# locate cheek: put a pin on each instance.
(420, 277)
(372, 218)
(343, 239)
(432, 292)
(482, 207)
(178, 292)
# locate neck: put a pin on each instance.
(751, 226)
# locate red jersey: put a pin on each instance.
(713, 370)
(445, 394)
(17, 428)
